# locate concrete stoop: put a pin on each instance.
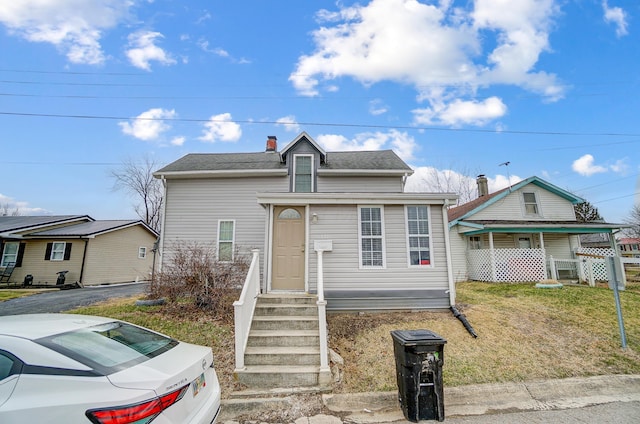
(283, 349)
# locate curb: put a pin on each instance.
(478, 399)
(484, 399)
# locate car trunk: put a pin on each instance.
(184, 365)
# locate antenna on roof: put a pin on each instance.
(506, 165)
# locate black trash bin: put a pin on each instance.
(419, 358)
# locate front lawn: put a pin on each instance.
(524, 334)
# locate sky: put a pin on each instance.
(508, 89)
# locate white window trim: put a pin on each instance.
(480, 242)
(53, 250)
(524, 204)
(233, 240)
(4, 262)
(382, 236)
(406, 223)
(313, 172)
(142, 252)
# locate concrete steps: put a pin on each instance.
(283, 349)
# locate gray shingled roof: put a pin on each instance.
(16, 223)
(361, 160)
(86, 228)
(224, 162)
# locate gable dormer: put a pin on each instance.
(303, 156)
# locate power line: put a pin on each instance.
(322, 124)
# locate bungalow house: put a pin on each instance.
(93, 252)
(525, 232)
(629, 247)
(335, 227)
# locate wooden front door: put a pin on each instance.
(288, 248)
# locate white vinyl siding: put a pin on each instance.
(358, 184)
(57, 251)
(418, 236)
(550, 207)
(371, 237)
(303, 173)
(10, 253)
(226, 238)
(340, 224)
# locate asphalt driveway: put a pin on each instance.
(64, 300)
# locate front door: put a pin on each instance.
(288, 248)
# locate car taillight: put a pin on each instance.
(139, 413)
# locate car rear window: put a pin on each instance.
(111, 347)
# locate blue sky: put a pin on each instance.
(456, 88)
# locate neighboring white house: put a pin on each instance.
(383, 248)
(525, 232)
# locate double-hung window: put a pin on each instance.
(226, 238)
(530, 204)
(142, 252)
(303, 173)
(57, 251)
(418, 238)
(371, 237)
(10, 253)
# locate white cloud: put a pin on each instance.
(142, 50)
(289, 123)
(616, 16)
(429, 179)
(221, 127)
(460, 112)
(621, 166)
(377, 107)
(401, 142)
(74, 27)
(445, 52)
(149, 125)
(204, 45)
(585, 166)
(9, 206)
(178, 141)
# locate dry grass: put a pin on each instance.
(524, 334)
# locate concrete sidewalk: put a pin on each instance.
(383, 407)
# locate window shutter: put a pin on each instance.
(47, 254)
(20, 254)
(67, 251)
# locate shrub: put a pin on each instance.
(193, 275)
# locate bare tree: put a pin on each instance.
(633, 219)
(7, 210)
(436, 180)
(586, 212)
(136, 178)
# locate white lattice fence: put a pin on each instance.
(516, 265)
(511, 265)
(595, 268)
(479, 264)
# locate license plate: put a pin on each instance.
(198, 384)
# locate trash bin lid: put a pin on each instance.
(417, 337)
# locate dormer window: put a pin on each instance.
(530, 204)
(303, 173)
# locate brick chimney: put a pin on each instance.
(483, 185)
(272, 143)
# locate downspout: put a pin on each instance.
(84, 258)
(164, 219)
(404, 181)
(447, 248)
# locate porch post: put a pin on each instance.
(492, 257)
(544, 256)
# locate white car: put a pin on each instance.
(64, 368)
